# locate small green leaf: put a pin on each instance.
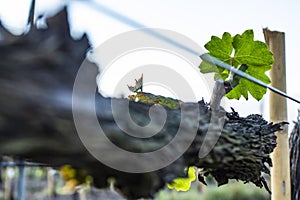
(138, 85)
(183, 184)
(206, 67)
(238, 91)
(250, 52)
(255, 90)
(254, 54)
(220, 48)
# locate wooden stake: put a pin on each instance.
(280, 172)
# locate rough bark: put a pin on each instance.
(295, 160)
(36, 121)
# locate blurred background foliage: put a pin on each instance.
(232, 191)
(46, 183)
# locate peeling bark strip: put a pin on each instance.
(36, 122)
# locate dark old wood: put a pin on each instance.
(295, 160)
(37, 73)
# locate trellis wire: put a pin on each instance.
(4, 164)
(137, 25)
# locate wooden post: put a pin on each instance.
(280, 172)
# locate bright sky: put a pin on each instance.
(198, 20)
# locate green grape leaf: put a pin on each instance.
(237, 50)
(183, 184)
(250, 52)
(220, 48)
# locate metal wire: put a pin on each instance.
(4, 164)
(219, 63)
(135, 24)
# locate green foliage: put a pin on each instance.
(74, 177)
(151, 99)
(235, 191)
(148, 98)
(138, 85)
(183, 184)
(237, 50)
(231, 191)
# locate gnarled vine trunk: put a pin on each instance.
(37, 73)
(295, 160)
